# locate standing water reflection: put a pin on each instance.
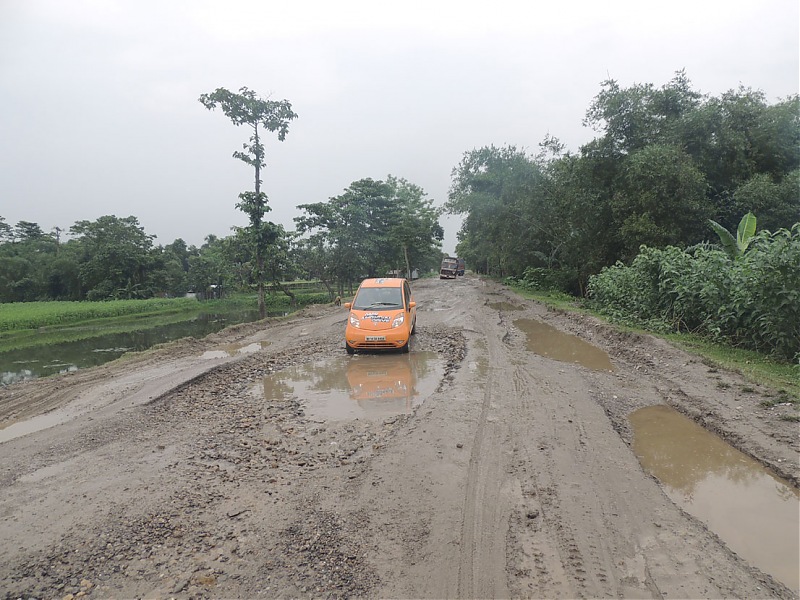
(41, 361)
(753, 511)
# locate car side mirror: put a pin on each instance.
(348, 304)
(411, 304)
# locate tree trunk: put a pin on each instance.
(256, 223)
(408, 266)
(287, 291)
(262, 305)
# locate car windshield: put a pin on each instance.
(378, 298)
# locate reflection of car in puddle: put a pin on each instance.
(364, 386)
(384, 383)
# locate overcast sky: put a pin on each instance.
(99, 111)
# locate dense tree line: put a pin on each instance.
(372, 228)
(666, 160)
(111, 257)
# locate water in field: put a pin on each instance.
(31, 363)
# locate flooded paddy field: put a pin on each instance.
(99, 348)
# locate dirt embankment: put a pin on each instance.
(170, 473)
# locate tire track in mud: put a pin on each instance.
(568, 538)
(481, 571)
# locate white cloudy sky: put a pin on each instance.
(99, 112)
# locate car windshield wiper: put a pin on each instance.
(383, 304)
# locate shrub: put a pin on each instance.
(751, 301)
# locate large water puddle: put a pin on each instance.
(756, 513)
(557, 345)
(364, 386)
(41, 361)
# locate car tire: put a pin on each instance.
(414, 328)
(349, 348)
(404, 348)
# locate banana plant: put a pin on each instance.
(736, 247)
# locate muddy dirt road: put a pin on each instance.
(264, 462)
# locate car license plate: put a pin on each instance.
(376, 338)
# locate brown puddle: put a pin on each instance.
(365, 386)
(552, 343)
(753, 511)
(234, 349)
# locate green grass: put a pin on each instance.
(31, 338)
(34, 315)
(31, 324)
(553, 299)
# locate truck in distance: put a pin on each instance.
(449, 268)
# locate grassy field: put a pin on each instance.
(31, 324)
(35, 315)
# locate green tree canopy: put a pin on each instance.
(372, 227)
(115, 257)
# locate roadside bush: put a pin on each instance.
(630, 294)
(752, 301)
(763, 311)
(544, 280)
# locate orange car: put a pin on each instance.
(383, 316)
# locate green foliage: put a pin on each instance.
(659, 199)
(114, 257)
(665, 162)
(374, 226)
(541, 279)
(501, 195)
(752, 302)
(737, 246)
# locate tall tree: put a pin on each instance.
(357, 226)
(28, 231)
(660, 200)
(246, 108)
(370, 228)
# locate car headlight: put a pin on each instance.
(398, 320)
(354, 321)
